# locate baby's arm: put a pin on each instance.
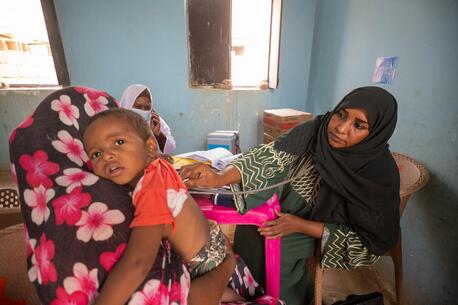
(131, 270)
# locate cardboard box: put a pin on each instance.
(274, 132)
(268, 138)
(285, 118)
(280, 121)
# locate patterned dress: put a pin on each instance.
(341, 247)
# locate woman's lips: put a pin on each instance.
(336, 139)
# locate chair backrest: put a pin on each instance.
(413, 174)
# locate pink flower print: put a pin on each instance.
(24, 124)
(43, 270)
(185, 284)
(175, 293)
(67, 208)
(96, 101)
(13, 174)
(37, 199)
(92, 93)
(153, 293)
(239, 276)
(76, 298)
(108, 259)
(68, 113)
(71, 147)
(30, 243)
(249, 281)
(82, 280)
(267, 299)
(97, 222)
(38, 169)
(76, 177)
(179, 290)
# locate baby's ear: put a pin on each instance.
(151, 143)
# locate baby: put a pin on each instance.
(123, 150)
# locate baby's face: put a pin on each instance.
(117, 152)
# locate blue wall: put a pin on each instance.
(15, 106)
(111, 44)
(349, 36)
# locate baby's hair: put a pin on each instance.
(135, 120)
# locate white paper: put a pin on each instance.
(213, 155)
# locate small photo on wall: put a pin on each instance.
(385, 69)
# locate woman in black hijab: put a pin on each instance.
(344, 190)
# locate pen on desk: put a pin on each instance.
(185, 180)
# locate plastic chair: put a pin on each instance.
(256, 216)
(414, 176)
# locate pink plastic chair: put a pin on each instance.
(256, 216)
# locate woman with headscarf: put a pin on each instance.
(344, 190)
(138, 98)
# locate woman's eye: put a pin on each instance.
(119, 142)
(360, 126)
(96, 155)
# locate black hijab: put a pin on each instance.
(360, 184)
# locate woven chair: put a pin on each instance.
(8, 198)
(10, 213)
(414, 176)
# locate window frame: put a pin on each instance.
(57, 51)
(55, 42)
(223, 81)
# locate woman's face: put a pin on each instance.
(143, 101)
(348, 127)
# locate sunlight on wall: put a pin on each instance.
(250, 41)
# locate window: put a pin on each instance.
(233, 43)
(27, 58)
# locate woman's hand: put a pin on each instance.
(199, 174)
(284, 225)
(155, 123)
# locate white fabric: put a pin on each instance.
(131, 93)
(127, 101)
(170, 144)
(145, 114)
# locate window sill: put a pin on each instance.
(231, 89)
(32, 88)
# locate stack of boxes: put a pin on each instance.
(280, 121)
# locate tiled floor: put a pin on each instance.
(337, 284)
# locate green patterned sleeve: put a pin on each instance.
(342, 248)
(261, 167)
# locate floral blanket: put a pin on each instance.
(77, 224)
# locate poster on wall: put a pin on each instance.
(385, 69)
